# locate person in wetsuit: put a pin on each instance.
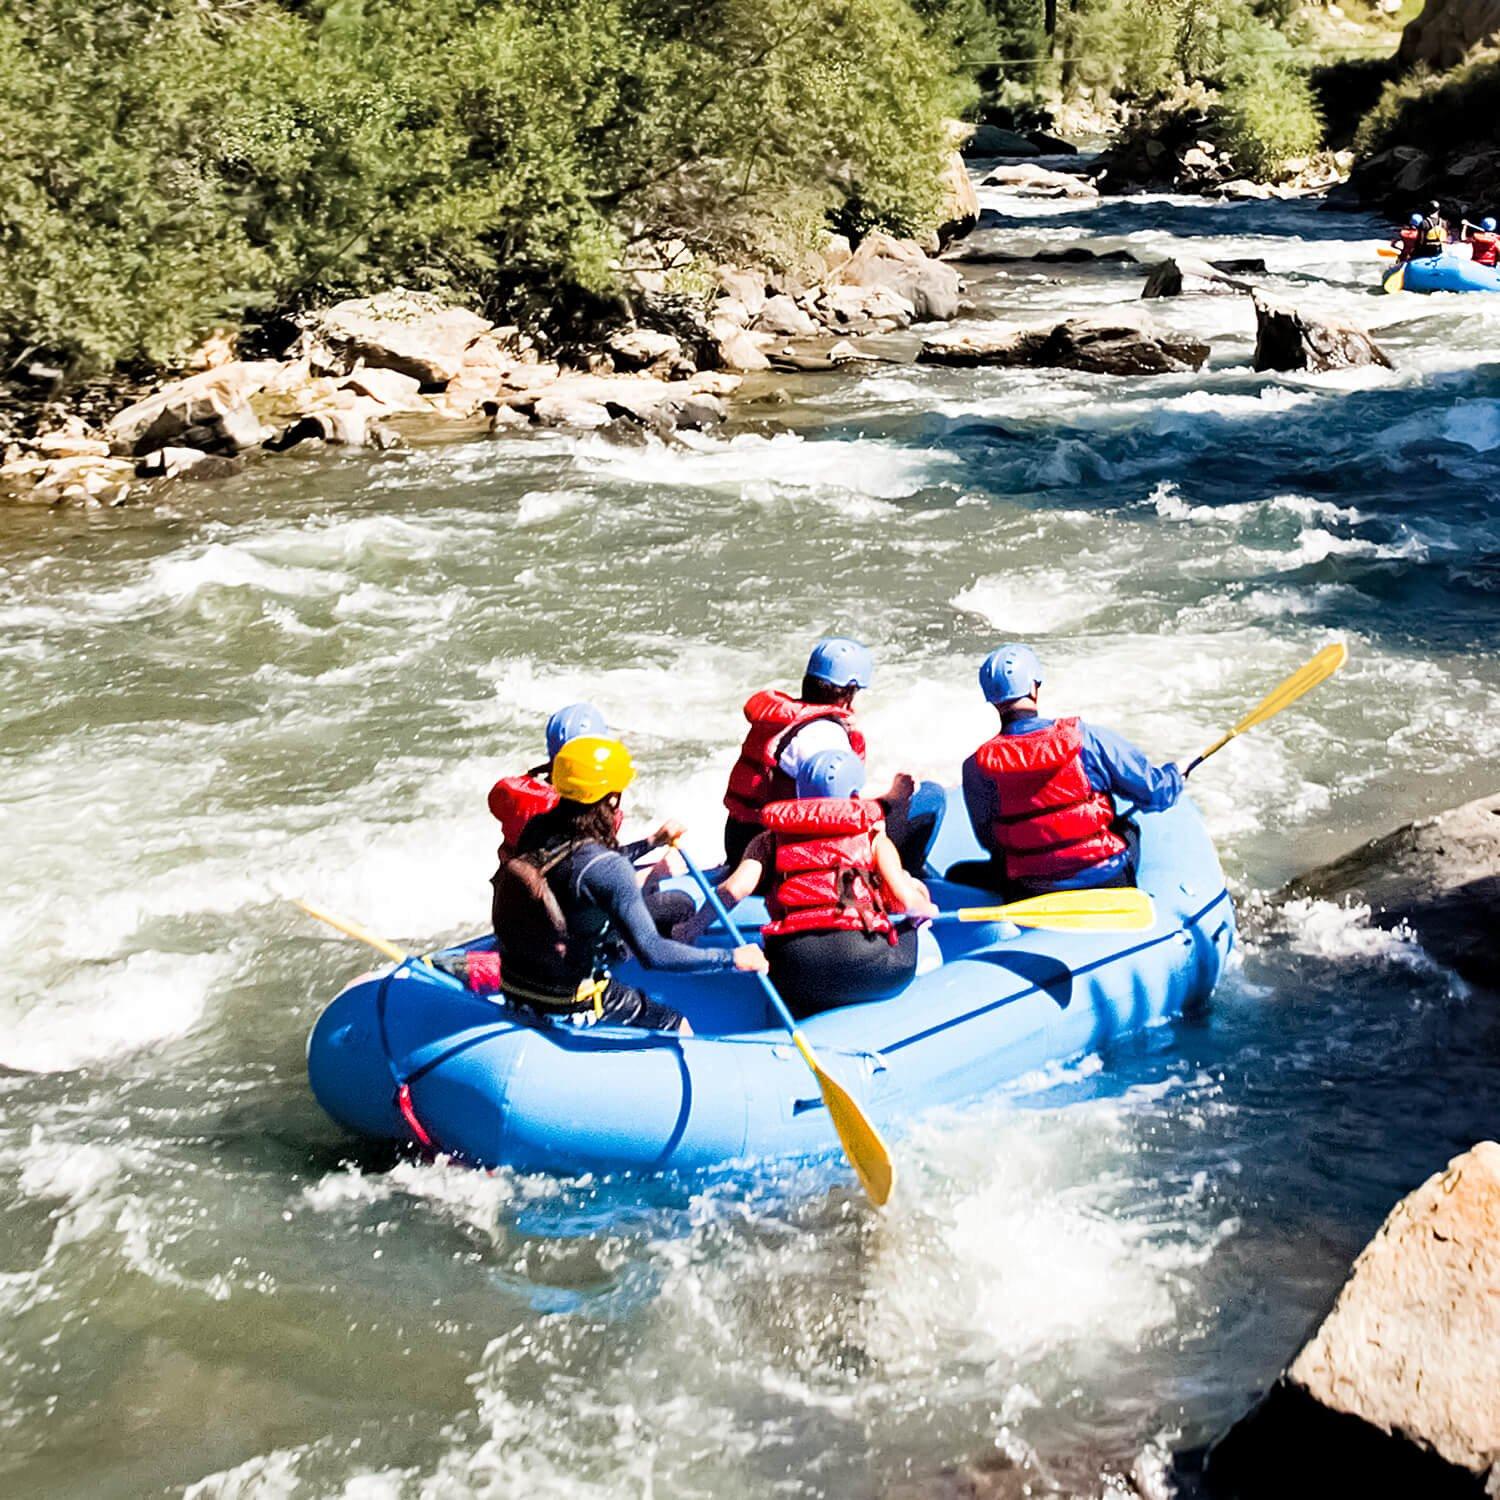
(567, 902)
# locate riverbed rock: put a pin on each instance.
(390, 388)
(85, 478)
(1117, 343)
(1439, 876)
(1024, 180)
(992, 140)
(416, 333)
(1184, 275)
(67, 444)
(738, 349)
(1286, 339)
(203, 401)
(186, 463)
(746, 287)
(901, 266)
(1398, 1391)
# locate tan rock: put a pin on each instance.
(413, 332)
(864, 309)
(1122, 343)
(217, 349)
(69, 445)
(781, 315)
(837, 252)
(1024, 180)
(1398, 1390)
(199, 401)
(748, 288)
(900, 266)
(566, 409)
(390, 388)
(1287, 339)
(738, 349)
(960, 209)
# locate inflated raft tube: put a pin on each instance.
(408, 1054)
(1453, 271)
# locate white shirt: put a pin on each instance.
(810, 740)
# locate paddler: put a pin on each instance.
(786, 732)
(1039, 793)
(834, 886)
(1484, 242)
(567, 900)
(1432, 232)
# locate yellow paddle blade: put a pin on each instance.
(354, 930)
(861, 1141)
(1303, 680)
(1394, 280)
(1117, 909)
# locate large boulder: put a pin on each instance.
(1286, 339)
(903, 267)
(1398, 1390)
(212, 406)
(1445, 31)
(992, 140)
(1439, 876)
(960, 209)
(413, 332)
(1184, 274)
(1120, 343)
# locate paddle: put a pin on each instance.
(1394, 280)
(1113, 909)
(1388, 251)
(1303, 680)
(867, 1153)
(354, 930)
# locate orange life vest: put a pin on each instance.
(824, 865)
(1052, 821)
(774, 718)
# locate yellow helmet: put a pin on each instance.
(589, 768)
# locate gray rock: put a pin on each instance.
(1398, 1391)
(1439, 876)
(1185, 274)
(1117, 344)
(389, 387)
(570, 411)
(413, 332)
(186, 463)
(748, 288)
(1051, 145)
(1027, 181)
(991, 140)
(737, 349)
(960, 209)
(1286, 339)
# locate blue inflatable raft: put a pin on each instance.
(407, 1051)
(1455, 270)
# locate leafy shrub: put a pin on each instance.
(1436, 109)
(164, 166)
(1267, 113)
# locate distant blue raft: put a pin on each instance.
(1455, 270)
(407, 1051)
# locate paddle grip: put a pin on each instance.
(732, 928)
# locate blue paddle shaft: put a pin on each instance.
(731, 927)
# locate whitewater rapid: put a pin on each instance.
(302, 681)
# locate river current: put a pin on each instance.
(302, 681)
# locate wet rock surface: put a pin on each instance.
(1439, 876)
(1288, 339)
(1117, 343)
(1398, 1390)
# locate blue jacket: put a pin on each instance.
(1111, 763)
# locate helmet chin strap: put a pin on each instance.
(1017, 708)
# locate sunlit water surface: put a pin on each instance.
(303, 681)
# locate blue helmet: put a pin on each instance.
(1012, 671)
(842, 662)
(1488, 225)
(831, 773)
(1416, 221)
(570, 723)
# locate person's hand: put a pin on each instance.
(903, 785)
(750, 959)
(668, 833)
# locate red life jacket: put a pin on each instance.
(1486, 247)
(825, 867)
(774, 718)
(1052, 823)
(516, 800)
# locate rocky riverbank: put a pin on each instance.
(363, 371)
